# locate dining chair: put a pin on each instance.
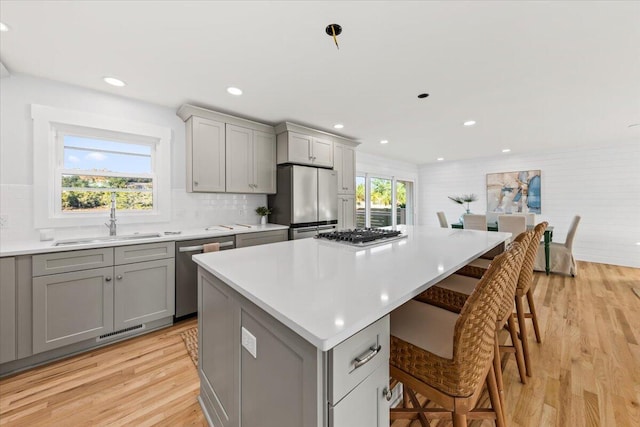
(474, 222)
(531, 217)
(450, 363)
(561, 258)
(442, 219)
(514, 224)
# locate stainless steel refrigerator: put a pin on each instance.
(307, 200)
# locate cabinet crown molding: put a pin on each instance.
(292, 127)
(186, 111)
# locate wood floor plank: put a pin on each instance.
(586, 370)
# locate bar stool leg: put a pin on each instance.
(497, 368)
(516, 344)
(494, 396)
(523, 334)
(534, 316)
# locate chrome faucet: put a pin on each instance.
(112, 218)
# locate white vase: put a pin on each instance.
(263, 220)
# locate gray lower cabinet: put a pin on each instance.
(71, 307)
(254, 371)
(144, 292)
(261, 238)
(8, 327)
(76, 304)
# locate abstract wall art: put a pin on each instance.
(514, 192)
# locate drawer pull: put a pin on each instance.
(388, 394)
(363, 359)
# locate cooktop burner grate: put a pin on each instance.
(360, 235)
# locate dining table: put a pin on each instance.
(548, 237)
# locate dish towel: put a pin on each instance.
(211, 247)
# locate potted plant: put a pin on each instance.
(263, 211)
(465, 198)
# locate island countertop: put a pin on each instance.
(326, 291)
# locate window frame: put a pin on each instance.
(49, 127)
(367, 195)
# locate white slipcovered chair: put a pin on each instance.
(514, 224)
(560, 254)
(442, 219)
(474, 222)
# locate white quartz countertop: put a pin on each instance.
(34, 246)
(326, 291)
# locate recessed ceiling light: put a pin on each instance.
(338, 126)
(469, 123)
(440, 159)
(114, 82)
(4, 27)
(423, 95)
(506, 150)
(234, 91)
(384, 141)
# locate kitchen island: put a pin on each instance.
(297, 333)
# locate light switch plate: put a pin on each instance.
(249, 342)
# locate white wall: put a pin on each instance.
(600, 184)
(16, 160)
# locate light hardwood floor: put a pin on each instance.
(586, 371)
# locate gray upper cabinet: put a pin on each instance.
(345, 164)
(299, 148)
(205, 155)
(227, 153)
(251, 160)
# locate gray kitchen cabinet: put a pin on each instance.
(346, 212)
(344, 160)
(205, 155)
(366, 405)
(261, 238)
(294, 147)
(219, 338)
(143, 292)
(134, 285)
(71, 307)
(8, 326)
(251, 160)
(255, 371)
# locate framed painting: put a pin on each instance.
(514, 192)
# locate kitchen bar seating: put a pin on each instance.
(449, 365)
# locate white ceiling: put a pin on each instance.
(534, 75)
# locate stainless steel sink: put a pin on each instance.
(103, 239)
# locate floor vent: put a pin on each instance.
(118, 334)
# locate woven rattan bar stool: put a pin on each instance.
(448, 357)
(523, 290)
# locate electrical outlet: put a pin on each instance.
(249, 342)
(4, 221)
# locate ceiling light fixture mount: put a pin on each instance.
(334, 30)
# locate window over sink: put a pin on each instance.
(81, 158)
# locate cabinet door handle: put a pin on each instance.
(119, 277)
(366, 357)
(388, 394)
(107, 279)
(195, 183)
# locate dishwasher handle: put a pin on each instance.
(201, 247)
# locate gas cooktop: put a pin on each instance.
(363, 236)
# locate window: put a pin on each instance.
(80, 159)
(381, 202)
(94, 168)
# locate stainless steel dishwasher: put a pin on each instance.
(187, 271)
